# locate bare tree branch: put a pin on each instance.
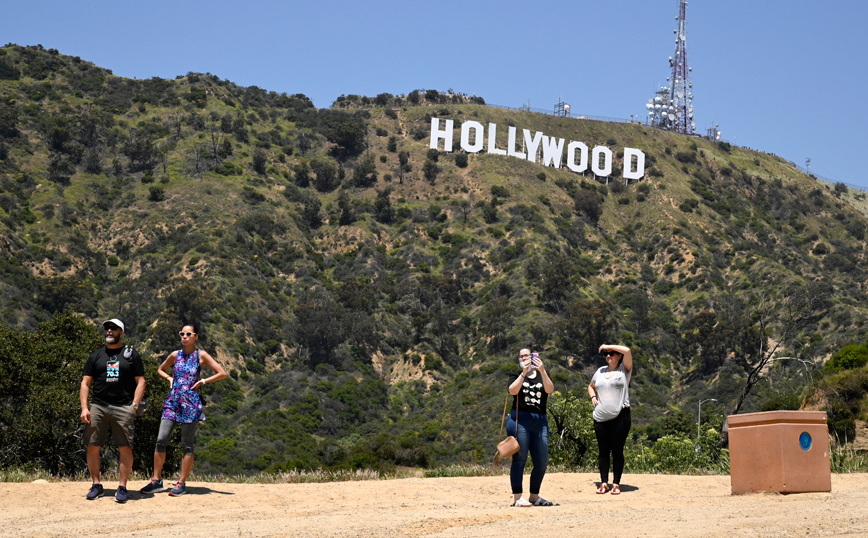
(799, 308)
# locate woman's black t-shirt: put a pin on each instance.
(533, 396)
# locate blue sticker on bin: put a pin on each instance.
(805, 441)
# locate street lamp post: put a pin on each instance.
(699, 418)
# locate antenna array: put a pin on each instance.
(671, 108)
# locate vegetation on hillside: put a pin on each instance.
(368, 294)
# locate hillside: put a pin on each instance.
(369, 295)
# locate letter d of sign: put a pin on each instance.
(437, 134)
(629, 153)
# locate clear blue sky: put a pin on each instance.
(784, 76)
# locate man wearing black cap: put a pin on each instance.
(117, 376)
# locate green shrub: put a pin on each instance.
(259, 161)
(489, 213)
(157, 194)
(430, 170)
(251, 195)
(847, 358)
(229, 169)
(42, 428)
(499, 191)
(572, 440)
(8, 71)
(820, 249)
(685, 157)
(688, 205)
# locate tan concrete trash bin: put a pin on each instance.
(779, 451)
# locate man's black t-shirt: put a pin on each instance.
(533, 396)
(114, 375)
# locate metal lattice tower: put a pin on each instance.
(682, 94)
(672, 106)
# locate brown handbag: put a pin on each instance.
(508, 446)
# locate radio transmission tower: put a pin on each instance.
(672, 106)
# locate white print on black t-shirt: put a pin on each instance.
(532, 392)
(112, 371)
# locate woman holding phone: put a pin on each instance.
(610, 393)
(530, 390)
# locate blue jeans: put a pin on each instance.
(533, 436)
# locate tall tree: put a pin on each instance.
(800, 307)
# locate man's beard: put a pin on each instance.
(110, 340)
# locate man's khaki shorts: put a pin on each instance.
(121, 420)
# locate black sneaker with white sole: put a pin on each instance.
(96, 491)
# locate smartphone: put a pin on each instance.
(534, 359)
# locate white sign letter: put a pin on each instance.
(629, 153)
(437, 134)
(478, 136)
(492, 140)
(532, 145)
(606, 170)
(571, 157)
(511, 145)
(553, 148)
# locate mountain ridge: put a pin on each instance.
(352, 278)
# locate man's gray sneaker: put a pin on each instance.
(96, 491)
(121, 495)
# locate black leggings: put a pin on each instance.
(611, 437)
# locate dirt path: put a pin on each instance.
(651, 505)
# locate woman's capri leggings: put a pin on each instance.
(188, 436)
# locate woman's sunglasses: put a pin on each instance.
(183, 334)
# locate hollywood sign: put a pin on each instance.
(551, 149)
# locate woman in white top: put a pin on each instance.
(610, 393)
